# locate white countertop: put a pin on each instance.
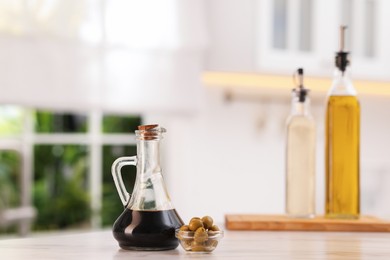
(235, 245)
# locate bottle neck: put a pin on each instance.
(300, 108)
(148, 152)
(342, 75)
(342, 84)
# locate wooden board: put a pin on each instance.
(319, 223)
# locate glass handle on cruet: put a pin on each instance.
(117, 175)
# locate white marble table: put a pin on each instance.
(235, 245)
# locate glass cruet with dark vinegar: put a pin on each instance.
(149, 220)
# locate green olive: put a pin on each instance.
(201, 235)
(195, 224)
(198, 248)
(185, 228)
(207, 222)
(194, 218)
(212, 243)
(214, 228)
(187, 244)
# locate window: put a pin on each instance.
(305, 25)
(292, 25)
(347, 19)
(370, 28)
(72, 156)
(361, 19)
(280, 24)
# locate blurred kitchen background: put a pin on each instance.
(78, 76)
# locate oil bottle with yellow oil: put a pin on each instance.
(342, 142)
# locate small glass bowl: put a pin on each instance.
(187, 241)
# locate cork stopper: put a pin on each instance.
(149, 132)
(147, 127)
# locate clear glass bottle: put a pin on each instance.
(149, 220)
(300, 155)
(342, 143)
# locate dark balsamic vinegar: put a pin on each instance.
(147, 230)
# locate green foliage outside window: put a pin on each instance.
(11, 120)
(60, 186)
(9, 180)
(120, 124)
(48, 122)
